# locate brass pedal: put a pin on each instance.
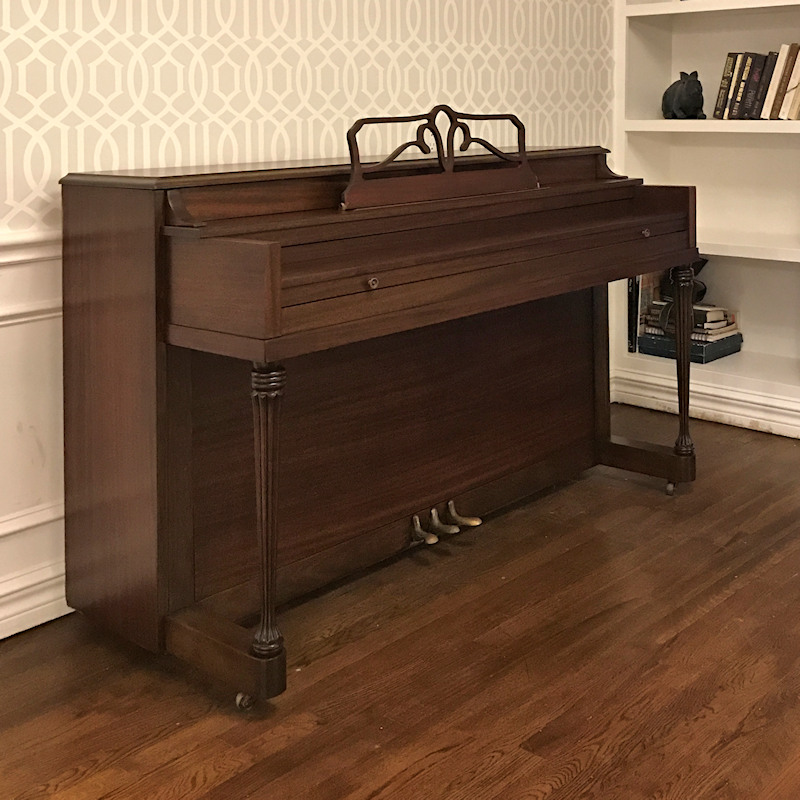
(466, 522)
(421, 535)
(442, 527)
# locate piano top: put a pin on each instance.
(162, 178)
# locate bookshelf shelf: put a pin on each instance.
(735, 244)
(712, 126)
(661, 8)
(746, 173)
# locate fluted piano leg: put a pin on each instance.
(267, 382)
(683, 278)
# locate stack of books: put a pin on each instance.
(715, 334)
(760, 85)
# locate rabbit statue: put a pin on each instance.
(684, 98)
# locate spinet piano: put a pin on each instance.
(416, 335)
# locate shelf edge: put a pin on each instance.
(669, 8)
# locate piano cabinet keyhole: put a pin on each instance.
(646, 233)
(373, 283)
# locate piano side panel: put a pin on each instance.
(377, 430)
(112, 365)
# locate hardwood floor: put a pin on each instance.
(604, 641)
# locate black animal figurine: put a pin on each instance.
(684, 98)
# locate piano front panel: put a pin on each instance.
(376, 431)
(533, 272)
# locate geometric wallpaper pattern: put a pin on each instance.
(117, 84)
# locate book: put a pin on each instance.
(783, 83)
(715, 326)
(697, 335)
(633, 313)
(777, 72)
(763, 85)
(699, 352)
(648, 293)
(751, 87)
(702, 312)
(744, 79)
(725, 85)
(735, 78)
(791, 91)
(655, 320)
(794, 110)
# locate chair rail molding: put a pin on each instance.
(29, 247)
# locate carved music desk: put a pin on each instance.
(404, 347)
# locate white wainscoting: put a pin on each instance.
(31, 433)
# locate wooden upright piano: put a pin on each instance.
(276, 376)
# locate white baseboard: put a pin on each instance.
(32, 577)
(32, 598)
(730, 406)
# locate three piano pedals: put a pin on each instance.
(437, 527)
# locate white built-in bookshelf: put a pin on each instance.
(747, 174)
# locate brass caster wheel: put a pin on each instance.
(244, 702)
(670, 489)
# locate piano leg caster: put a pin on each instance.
(421, 535)
(670, 489)
(442, 527)
(456, 518)
(244, 702)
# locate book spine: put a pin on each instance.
(791, 91)
(724, 85)
(777, 72)
(763, 85)
(788, 68)
(751, 88)
(735, 78)
(633, 312)
(794, 108)
(794, 111)
(738, 96)
(696, 336)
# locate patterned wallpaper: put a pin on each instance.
(115, 84)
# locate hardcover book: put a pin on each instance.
(783, 83)
(702, 312)
(744, 80)
(699, 352)
(736, 76)
(791, 91)
(725, 85)
(777, 73)
(745, 111)
(763, 85)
